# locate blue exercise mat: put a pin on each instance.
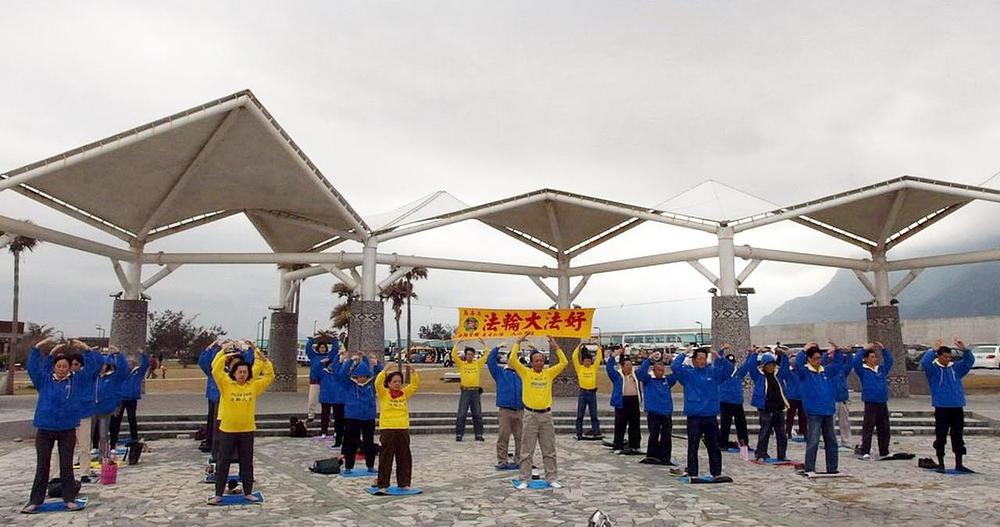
(506, 466)
(357, 473)
(733, 450)
(538, 484)
(238, 499)
(395, 491)
(705, 479)
(798, 439)
(59, 506)
(232, 477)
(776, 461)
(953, 472)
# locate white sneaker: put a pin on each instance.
(556, 484)
(866, 457)
(521, 486)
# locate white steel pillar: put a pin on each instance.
(727, 262)
(369, 288)
(883, 295)
(563, 292)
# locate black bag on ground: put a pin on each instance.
(134, 451)
(926, 462)
(55, 487)
(297, 428)
(326, 466)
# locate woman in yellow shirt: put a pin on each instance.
(238, 392)
(394, 427)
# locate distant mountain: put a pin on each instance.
(941, 292)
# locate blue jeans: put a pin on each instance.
(469, 400)
(821, 424)
(583, 401)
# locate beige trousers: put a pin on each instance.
(844, 424)
(538, 429)
(312, 404)
(511, 422)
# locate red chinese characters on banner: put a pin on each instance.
(475, 323)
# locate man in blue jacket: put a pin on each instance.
(701, 383)
(731, 405)
(510, 408)
(769, 400)
(842, 395)
(659, 409)
(875, 395)
(818, 386)
(791, 387)
(107, 399)
(944, 377)
(359, 408)
(626, 399)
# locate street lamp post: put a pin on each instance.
(600, 337)
(701, 333)
(100, 331)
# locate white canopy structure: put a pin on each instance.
(230, 156)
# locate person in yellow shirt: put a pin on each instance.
(469, 368)
(536, 392)
(238, 392)
(394, 426)
(587, 366)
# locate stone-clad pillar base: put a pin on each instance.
(884, 327)
(281, 350)
(366, 332)
(731, 325)
(128, 326)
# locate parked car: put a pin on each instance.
(915, 352)
(987, 355)
(301, 358)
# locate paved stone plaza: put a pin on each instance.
(461, 488)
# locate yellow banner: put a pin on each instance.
(484, 323)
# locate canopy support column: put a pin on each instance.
(884, 326)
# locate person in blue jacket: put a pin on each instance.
(731, 406)
(107, 398)
(659, 408)
(875, 395)
(57, 415)
(795, 407)
(769, 400)
(843, 396)
(324, 360)
(701, 383)
(87, 371)
(626, 399)
(510, 408)
(131, 392)
(944, 378)
(818, 386)
(359, 409)
(332, 390)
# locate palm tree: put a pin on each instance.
(18, 244)
(340, 317)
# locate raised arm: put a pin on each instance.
(143, 363)
(493, 364)
(857, 365)
(514, 358)
(612, 372)
(560, 364)
(36, 368)
(599, 355)
(800, 364)
(411, 388)
(751, 366)
(205, 359)
(311, 351)
(968, 359)
(928, 358)
(642, 373)
(379, 383)
(723, 367)
(576, 358)
(454, 352)
(266, 375)
(219, 370)
(887, 360)
(677, 367)
(744, 368)
(121, 366)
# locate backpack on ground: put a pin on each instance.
(134, 450)
(55, 487)
(326, 466)
(297, 428)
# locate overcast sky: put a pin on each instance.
(631, 101)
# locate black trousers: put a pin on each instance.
(116, 422)
(336, 412)
(699, 427)
(949, 420)
(771, 421)
(241, 443)
(359, 434)
(324, 418)
(44, 441)
(732, 412)
(627, 417)
(876, 418)
(795, 407)
(210, 424)
(659, 444)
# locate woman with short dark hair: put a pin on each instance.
(394, 424)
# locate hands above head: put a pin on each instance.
(522, 338)
(959, 344)
(833, 346)
(939, 343)
(655, 356)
